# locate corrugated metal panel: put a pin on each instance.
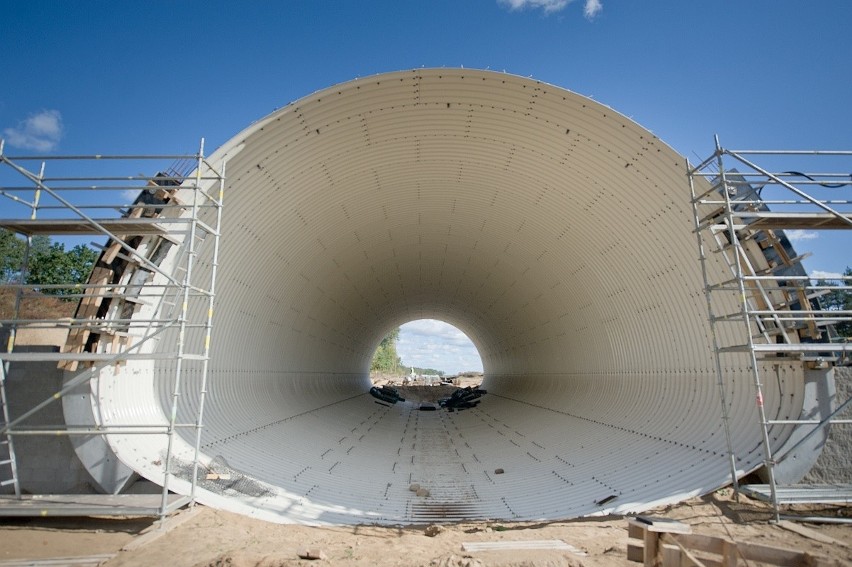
(552, 230)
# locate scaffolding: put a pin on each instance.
(143, 285)
(741, 210)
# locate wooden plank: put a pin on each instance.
(75, 561)
(77, 505)
(730, 551)
(111, 252)
(675, 549)
(117, 342)
(794, 221)
(116, 226)
(684, 556)
(635, 530)
(651, 548)
(114, 247)
(670, 556)
(712, 215)
(168, 196)
(729, 554)
(662, 525)
(804, 304)
(159, 529)
(635, 552)
(88, 308)
(521, 544)
(773, 555)
(92, 357)
(701, 542)
(811, 534)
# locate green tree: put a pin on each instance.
(433, 371)
(48, 262)
(55, 265)
(386, 359)
(839, 300)
(12, 253)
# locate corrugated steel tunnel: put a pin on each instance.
(554, 231)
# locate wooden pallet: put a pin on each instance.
(664, 543)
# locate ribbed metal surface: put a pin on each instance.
(552, 230)
(803, 493)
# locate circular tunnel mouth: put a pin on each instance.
(425, 351)
(553, 231)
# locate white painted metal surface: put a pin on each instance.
(552, 230)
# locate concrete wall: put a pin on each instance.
(835, 463)
(46, 464)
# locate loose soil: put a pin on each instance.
(34, 305)
(216, 539)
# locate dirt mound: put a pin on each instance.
(35, 306)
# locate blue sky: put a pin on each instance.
(155, 76)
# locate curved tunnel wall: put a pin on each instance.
(555, 232)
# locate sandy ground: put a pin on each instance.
(208, 537)
(204, 537)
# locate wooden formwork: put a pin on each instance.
(102, 276)
(665, 543)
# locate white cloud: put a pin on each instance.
(40, 132)
(822, 275)
(547, 5)
(129, 195)
(591, 9)
(428, 343)
(797, 235)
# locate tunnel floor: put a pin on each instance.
(357, 459)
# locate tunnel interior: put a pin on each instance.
(553, 231)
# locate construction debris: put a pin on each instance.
(312, 554)
(454, 560)
(217, 476)
(522, 545)
(811, 534)
(667, 543)
(463, 398)
(606, 499)
(386, 394)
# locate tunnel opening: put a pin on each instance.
(425, 351)
(554, 232)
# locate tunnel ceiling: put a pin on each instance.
(552, 230)
(502, 205)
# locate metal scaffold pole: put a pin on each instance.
(768, 304)
(141, 289)
(744, 305)
(199, 424)
(189, 242)
(720, 377)
(8, 441)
